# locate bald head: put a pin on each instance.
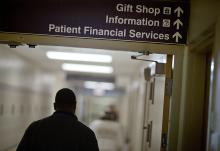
(65, 100)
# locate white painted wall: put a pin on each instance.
(26, 94)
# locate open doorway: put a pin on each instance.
(32, 70)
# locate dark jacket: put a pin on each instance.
(59, 132)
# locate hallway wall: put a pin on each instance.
(26, 95)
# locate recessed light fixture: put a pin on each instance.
(79, 57)
(99, 85)
(87, 68)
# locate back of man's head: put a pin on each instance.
(65, 100)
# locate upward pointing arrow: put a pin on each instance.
(177, 36)
(178, 23)
(178, 10)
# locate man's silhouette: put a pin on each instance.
(60, 131)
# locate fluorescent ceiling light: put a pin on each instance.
(99, 85)
(99, 92)
(87, 68)
(79, 57)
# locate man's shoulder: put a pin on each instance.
(84, 128)
(47, 120)
(38, 122)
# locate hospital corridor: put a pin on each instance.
(146, 74)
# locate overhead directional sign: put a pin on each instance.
(129, 20)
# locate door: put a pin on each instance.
(153, 113)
